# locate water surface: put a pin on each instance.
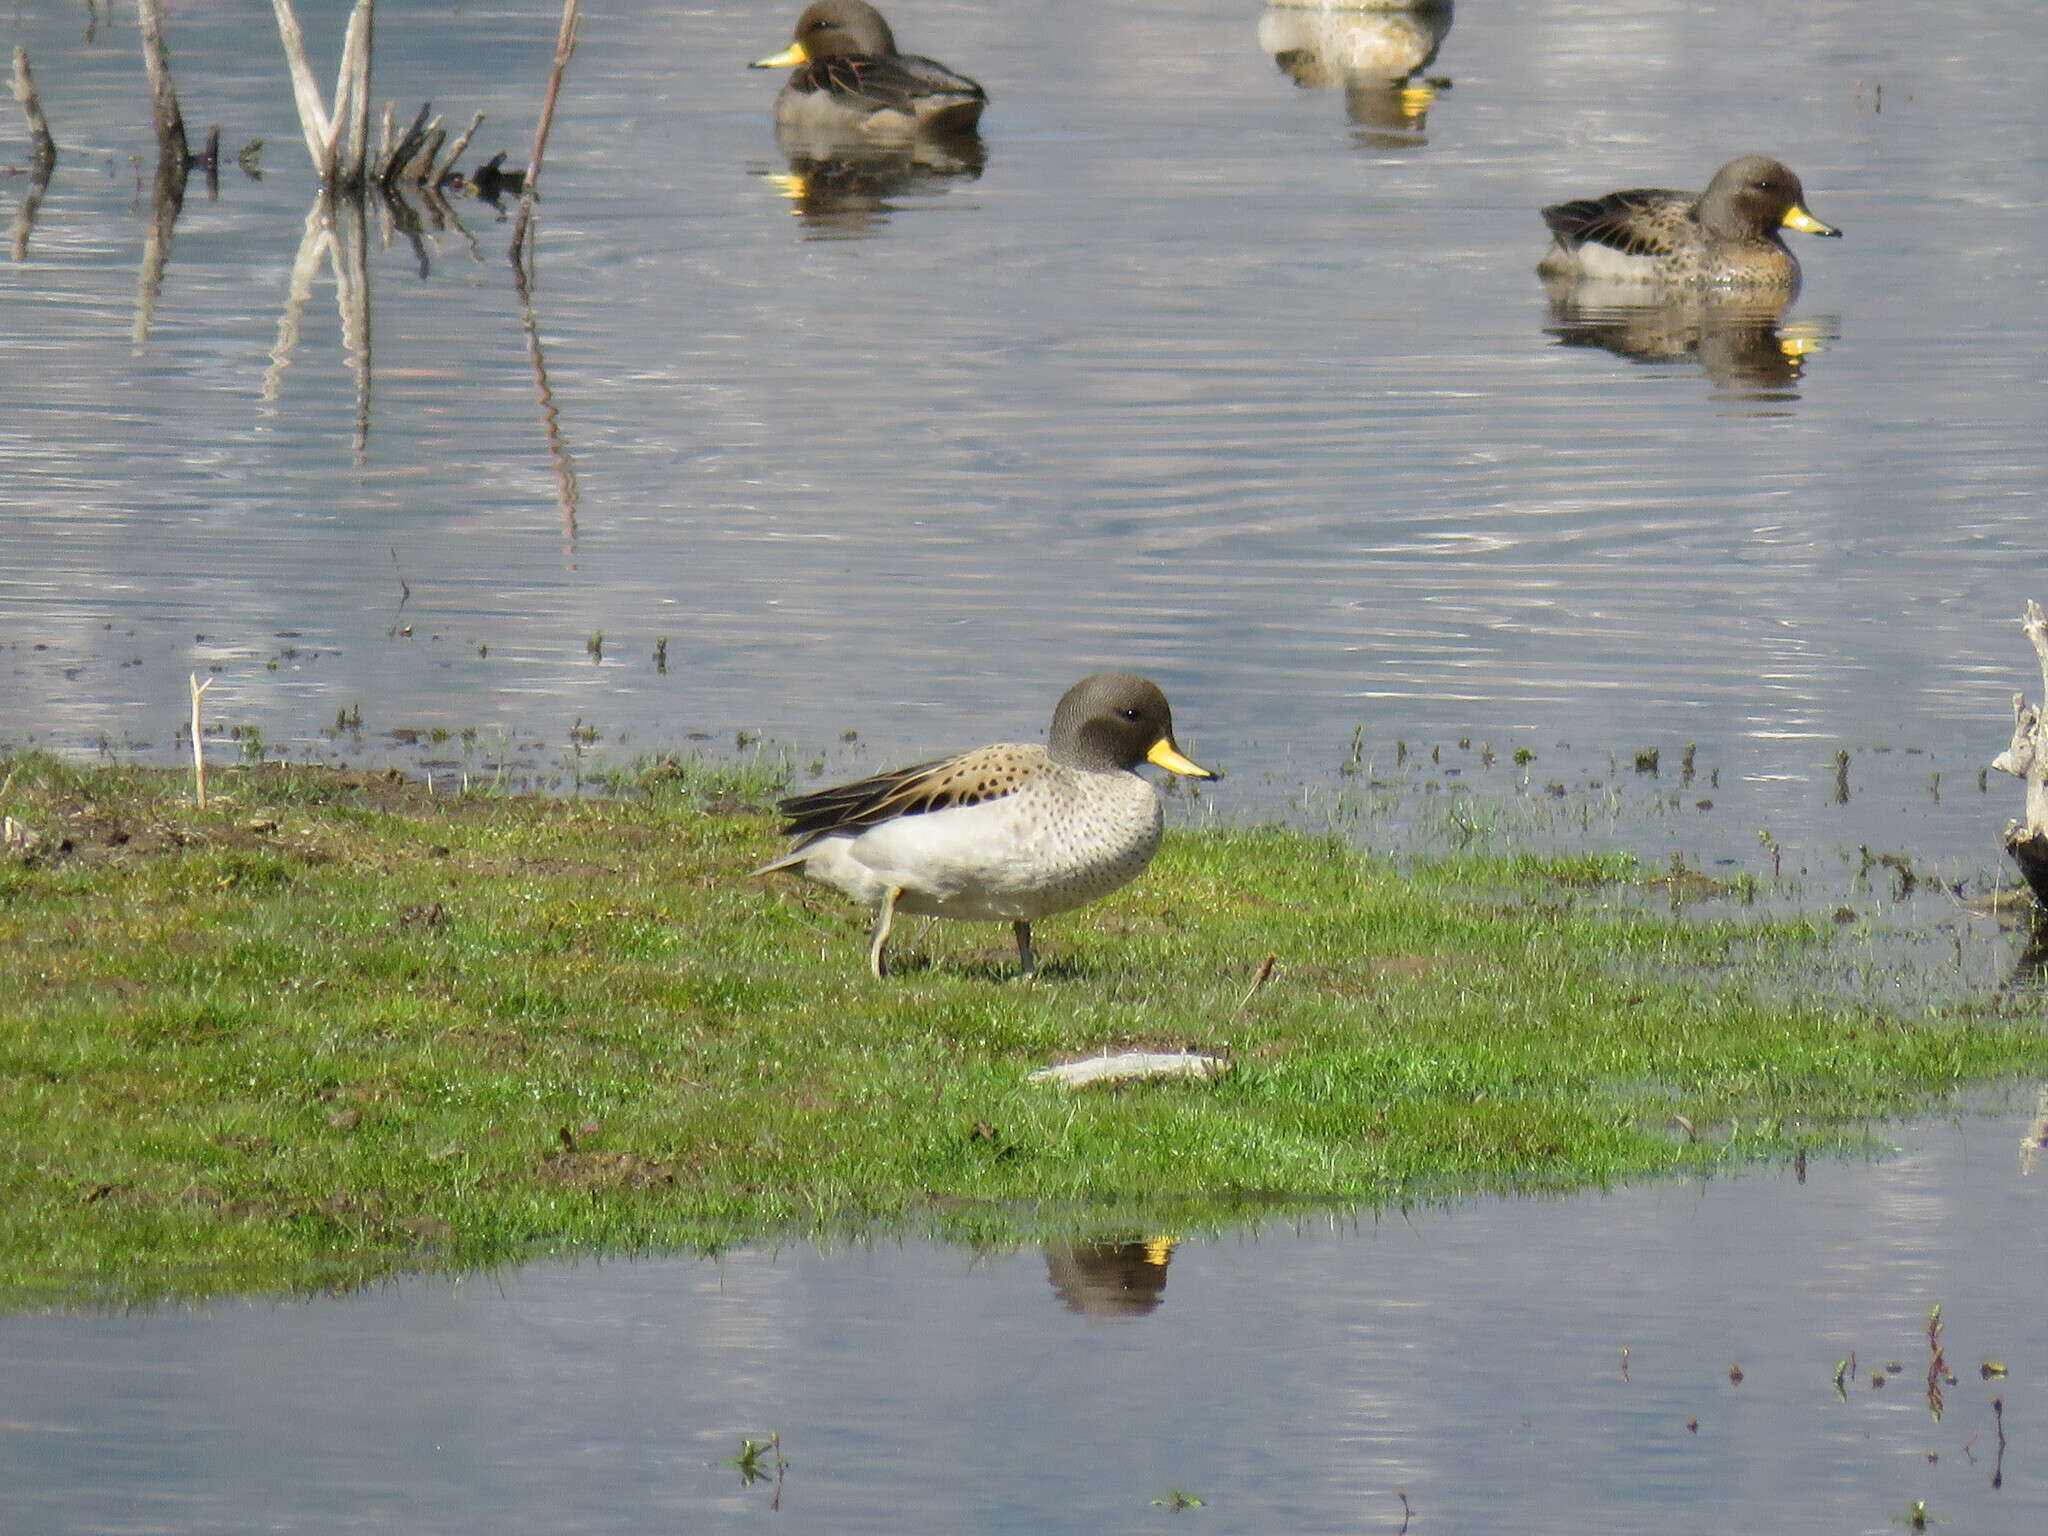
(1552, 1365)
(1241, 381)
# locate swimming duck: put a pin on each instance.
(1008, 832)
(848, 78)
(1726, 236)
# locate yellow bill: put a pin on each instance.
(1798, 218)
(1165, 754)
(789, 58)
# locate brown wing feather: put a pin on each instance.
(1642, 221)
(895, 82)
(968, 779)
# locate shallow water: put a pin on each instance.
(1296, 1379)
(1243, 382)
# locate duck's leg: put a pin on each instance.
(885, 917)
(1027, 962)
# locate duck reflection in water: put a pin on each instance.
(1110, 1278)
(1741, 341)
(1377, 52)
(846, 188)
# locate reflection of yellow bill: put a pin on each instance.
(1158, 1250)
(789, 184)
(789, 57)
(1165, 755)
(1415, 99)
(1798, 218)
(1797, 341)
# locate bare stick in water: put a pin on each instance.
(442, 171)
(2027, 759)
(392, 166)
(198, 756)
(351, 94)
(355, 71)
(313, 120)
(45, 146)
(565, 47)
(163, 95)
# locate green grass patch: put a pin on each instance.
(336, 1025)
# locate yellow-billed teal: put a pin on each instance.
(1004, 833)
(1726, 236)
(848, 79)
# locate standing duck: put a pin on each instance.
(1004, 833)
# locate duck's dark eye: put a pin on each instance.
(1133, 715)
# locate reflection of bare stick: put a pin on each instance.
(209, 161)
(445, 217)
(313, 244)
(397, 215)
(198, 757)
(565, 46)
(352, 294)
(334, 230)
(44, 159)
(173, 156)
(166, 199)
(550, 419)
(522, 275)
(2037, 1135)
(1998, 1465)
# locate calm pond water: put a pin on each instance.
(1223, 364)
(1557, 1365)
